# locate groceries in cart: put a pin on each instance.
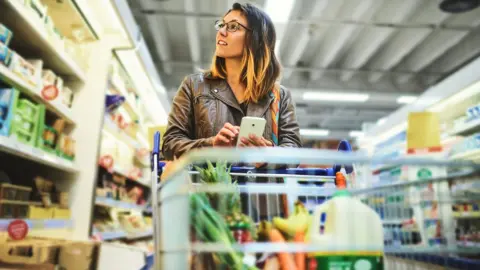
(218, 218)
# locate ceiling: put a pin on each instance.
(383, 48)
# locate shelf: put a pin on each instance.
(468, 128)
(116, 235)
(140, 235)
(16, 82)
(14, 147)
(472, 155)
(466, 215)
(30, 35)
(468, 244)
(105, 236)
(112, 129)
(109, 202)
(124, 173)
(393, 222)
(40, 224)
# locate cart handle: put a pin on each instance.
(343, 146)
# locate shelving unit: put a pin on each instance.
(13, 80)
(14, 147)
(34, 37)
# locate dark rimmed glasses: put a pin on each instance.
(231, 26)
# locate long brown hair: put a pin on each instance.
(260, 66)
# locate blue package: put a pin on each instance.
(5, 55)
(5, 35)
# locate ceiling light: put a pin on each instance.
(406, 99)
(356, 134)
(335, 97)
(381, 121)
(458, 6)
(279, 13)
(314, 132)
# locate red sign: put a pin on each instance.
(50, 92)
(17, 229)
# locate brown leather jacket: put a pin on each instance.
(203, 104)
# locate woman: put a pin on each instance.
(208, 107)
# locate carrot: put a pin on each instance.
(286, 259)
(300, 256)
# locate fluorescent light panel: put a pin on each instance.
(335, 97)
(356, 134)
(279, 12)
(314, 132)
(406, 99)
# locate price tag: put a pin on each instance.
(17, 229)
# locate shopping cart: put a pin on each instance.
(419, 219)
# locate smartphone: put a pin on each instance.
(251, 125)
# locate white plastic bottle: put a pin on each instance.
(349, 233)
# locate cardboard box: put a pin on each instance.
(60, 213)
(39, 212)
(45, 266)
(77, 256)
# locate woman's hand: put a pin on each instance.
(254, 141)
(226, 136)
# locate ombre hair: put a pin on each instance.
(260, 66)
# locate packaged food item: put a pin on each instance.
(48, 77)
(23, 68)
(66, 146)
(5, 35)
(5, 55)
(67, 96)
(38, 66)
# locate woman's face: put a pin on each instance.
(230, 44)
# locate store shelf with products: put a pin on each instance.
(40, 38)
(42, 72)
(52, 55)
(123, 174)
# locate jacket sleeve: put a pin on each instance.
(288, 129)
(179, 137)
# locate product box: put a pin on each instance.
(5, 35)
(77, 256)
(23, 68)
(59, 213)
(8, 100)
(40, 212)
(5, 55)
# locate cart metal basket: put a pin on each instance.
(426, 214)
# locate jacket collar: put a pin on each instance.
(222, 91)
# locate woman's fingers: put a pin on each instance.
(227, 133)
(223, 139)
(257, 141)
(234, 129)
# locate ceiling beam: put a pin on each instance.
(295, 51)
(336, 39)
(327, 70)
(193, 36)
(316, 22)
(160, 36)
(374, 38)
(396, 49)
(432, 48)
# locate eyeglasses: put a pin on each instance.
(232, 26)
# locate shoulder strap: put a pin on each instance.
(275, 109)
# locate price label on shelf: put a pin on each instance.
(17, 229)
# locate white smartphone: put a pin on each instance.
(251, 125)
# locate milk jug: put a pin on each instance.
(349, 234)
